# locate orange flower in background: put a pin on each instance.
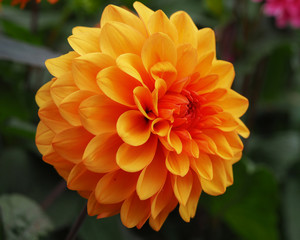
(141, 117)
(24, 2)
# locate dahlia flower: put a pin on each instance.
(285, 11)
(140, 116)
(24, 2)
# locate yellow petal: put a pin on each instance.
(188, 211)
(182, 187)
(134, 159)
(81, 179)
(178, 164)
(117, 14)
(165, 71)
(186, 28)
(158, 48)
(144, 101)
(134, 211)
(160, 127)
(186, 60)
(133, 128)
(99, 114)
(229, 173)
(206, 42)
(85, 40)
(203, 166)
(115, 187)
(43, 94)
(242, 129)
(117, 85)
(63, 87)
(117, 38)
(174, 141)
(86, 68)
(132, 65)
(100, 154)
(43, 138)
(153, 177)
(225, 71)
(143, 11)
(71, 143)
(217, 185)
(68, 108)
(159, 22)
(60, 65)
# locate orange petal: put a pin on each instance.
(143, 11)
(174, 141)
(134, 159)
(217, 185)
(85, 40)
(100, 154)
(43, 138)
(204, 65)
(71, 143)
(51, 117)
(144, 101)
(186, 28)
(228, 123)
(86, 68)
(229, 173)
(203, 166)
(206, 42)
(178, 164)
(43, 96)
(63, 87)
(159, 22)
(160, 127)
(102, 210)
(115, 187)
(134, 211)
(225, 71)
(182, 187)
(158, 48)
(81, 179)
(60, 65)
(202, 84)
(117, 85)
(242, 129)
(234, 141)
(153, 177)
(68, 108)
(188, 211)
(117, 14)
(99, 114)
(186, 60)
(133, 128)
(117, 38)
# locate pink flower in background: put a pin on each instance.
(285, 11)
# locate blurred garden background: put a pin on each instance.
(264, 201)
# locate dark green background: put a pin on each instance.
(263, 203)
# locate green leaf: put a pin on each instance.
(23, 218)
(215, 6)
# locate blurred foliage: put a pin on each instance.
(263, 203)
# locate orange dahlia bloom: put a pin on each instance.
(141, 117)
(24, 2)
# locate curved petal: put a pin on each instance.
(133, 128)
(182, 187)
(117, 38)
(117, 85)
(71, 143)
(178, 164)
(186, 28)
(134, 211)
(117, 14)
(159, 22)
(143, 11)
(145, 102)
(43, 96)
(158, 48)
(99, 114)
(186, 60)
(153, 177)
(100, 154)
(115, 187)
(43, 138)
(69, 107)
(86, 68)
(206, 42)
(242, 129)
(85, 40)
(81, 179)
(165, 71)
(160, 126)
(225, 71)
(134, 159)
(203, 166)
(217, 185)
(174, 141)
(60, 65)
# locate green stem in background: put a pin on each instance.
(77, 224)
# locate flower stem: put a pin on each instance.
(54, 194)
(77, 224)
